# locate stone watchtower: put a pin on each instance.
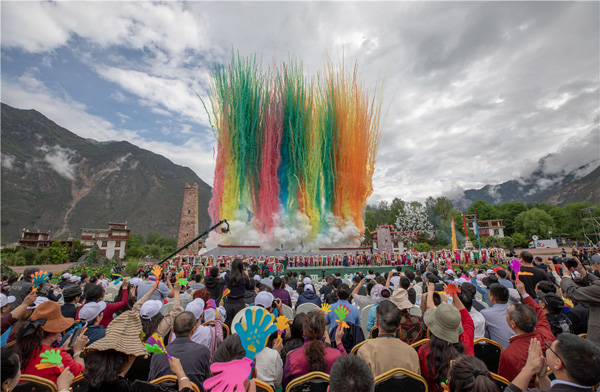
(188, 228)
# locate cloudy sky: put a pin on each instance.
(476, 92)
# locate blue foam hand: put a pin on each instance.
(255, 332)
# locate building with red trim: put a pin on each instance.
(39, 240)
(487, 228)
(111, 241)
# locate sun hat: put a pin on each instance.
(91, 310)
(444, 322)
(377, 293)
(400, 299)
(6, 300)
(264, 299)
(196, 307)
(150, 309)
(122, 335)
(38, 302)
(50, 311)
(72, 291)
(66, 275)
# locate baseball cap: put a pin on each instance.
(91, 310)
(196, 307)
(449, 271)
(306, 280)
(73, 278)
(66, 275)
(264, 299)
(72, 291)
(135, 281)
(38, 302)
(150, 309)
(6, 300)
(309, 287)
(257, 278)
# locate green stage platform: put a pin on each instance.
(311, 271)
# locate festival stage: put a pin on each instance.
(256, 252)
(345, 270)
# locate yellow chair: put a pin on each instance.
(359, 345)
(171, 381)
(489, 352)
(31, 383)
(374, 332)
(79, 384)
(418, 344)
(262, 386)
(583, 335)
(400, 380)
(500, 381)
(224, 326)
(318, 381)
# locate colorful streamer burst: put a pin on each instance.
(293, 145)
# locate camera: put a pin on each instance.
(569, 262)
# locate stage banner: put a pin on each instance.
(454, 245)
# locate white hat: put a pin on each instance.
(490, 271)
(257, 278)
(369, 277)
(150, 309)
(449, 271)
(66, 275)
(264, 299)
(223, 275)
(91, 310)
(306, 280)
(38, 302)
(461, 280)
(394, 271)
(135, 281)
(309, 287)
(73, 278)
(6, 300)
(196, 307)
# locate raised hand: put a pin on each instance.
(229, 376)
(255, 332)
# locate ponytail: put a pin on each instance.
(313, 326)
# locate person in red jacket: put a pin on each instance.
(528, 321)
(452, 332)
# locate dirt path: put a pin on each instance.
(54, 268)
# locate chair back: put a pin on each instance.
(400, 380)
(239, 317)
(113, 291)
(489, 352)
(483, 303)
(500, 381)
(311, 382)
(374, 332)
(306, 308)
(31, 383)
(167, 308)
(170, 381)
(223, 326)
(287, 312)
(262, 386)
(418, 344)
(364, 318)
(359, 345)
(79, 384)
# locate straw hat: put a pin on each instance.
(123, 335)
(400, 299)
(444, 322)
(50, 311)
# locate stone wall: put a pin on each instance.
(188, 228)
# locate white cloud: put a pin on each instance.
(8, 161)
(59, 160)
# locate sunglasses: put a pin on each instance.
(549, 347)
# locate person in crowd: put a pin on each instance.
(203, 334)
(71, 295)
(237, 281)
(362, 300)
(64, 280)
(502, 279)
(327, 288)
(343, 293)
(412, 329)
(386, 352)
(197, 285)
(266, 280)
(150, 311)
(579, 316)
(314, 355)
(111, 357)
(406, 285)
(350, 373)
(39, 333)
(467, 286)
(5, 303)
(332, 297)
(20, 289)
(280, 292)
(184, 296)
(10, 318)
(574, 361)
(164, 290)
(91, 313)
(527, 321)
(296, 339)
(552, 305)
(307, 295)
(95, 293)
(250, 294)
(451, 335)
(469, 374)
(195, 358)
(483, 286)
(537, 274)
(355, 282)
(496, 327)
(589, 293)
(379, 293)
(544, 287)
(294, 280)
(269, 366)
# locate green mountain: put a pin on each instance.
(55, 180)
(584, 189)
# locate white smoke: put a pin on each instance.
(287, 234)
(8, 161)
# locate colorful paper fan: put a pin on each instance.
(515, 265)
(39, 278)
(281, 323)
(225, 293)
(255, 331)
(211, 304)
(157, 271)
(229, 376)
(452, 290)
(50, 358)
(155, 344)
(182, 281)
(342, 311)
(325, 308)
(179, 274)
(568, 302)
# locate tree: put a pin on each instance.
(29, 254)
(131, 267)
(412, 222)
(77, 250)
(483, 210)
(508, 212)
(58, 253)
(152, 237)
(534, 222)
(520, 240)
